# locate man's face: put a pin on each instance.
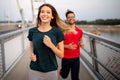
(71, 19)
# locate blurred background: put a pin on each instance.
(99, 19)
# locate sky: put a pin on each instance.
(9, 10)
(88, 9)
(84, 9)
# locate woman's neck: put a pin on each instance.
(44, 27)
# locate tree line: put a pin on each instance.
(85, 22)
(100, 22)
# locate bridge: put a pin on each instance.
(100, 59)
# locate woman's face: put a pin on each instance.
(46, 14)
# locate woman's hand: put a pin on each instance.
(33, 57)
(57, 50)
(47, 41)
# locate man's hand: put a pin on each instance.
(71, 46)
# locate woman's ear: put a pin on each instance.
(52, 17)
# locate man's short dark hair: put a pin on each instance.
(68, 12)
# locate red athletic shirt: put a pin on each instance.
(73, 38)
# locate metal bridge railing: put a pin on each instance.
(102, 56)
(12, 46)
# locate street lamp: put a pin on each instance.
(21, 12)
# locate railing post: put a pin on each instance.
(23, 22)
(3, 55)
(23, 27)
(93, 51)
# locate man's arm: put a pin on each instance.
(81, 43)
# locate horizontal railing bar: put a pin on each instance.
(13, 33)
(116, 44)
(91, 67)
(117, 50)
(114, 74)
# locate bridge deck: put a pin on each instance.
(20, 70)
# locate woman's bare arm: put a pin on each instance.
(58, 50)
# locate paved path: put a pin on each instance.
(20, 70)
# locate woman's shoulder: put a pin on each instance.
(56, 29)
(33, 29)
